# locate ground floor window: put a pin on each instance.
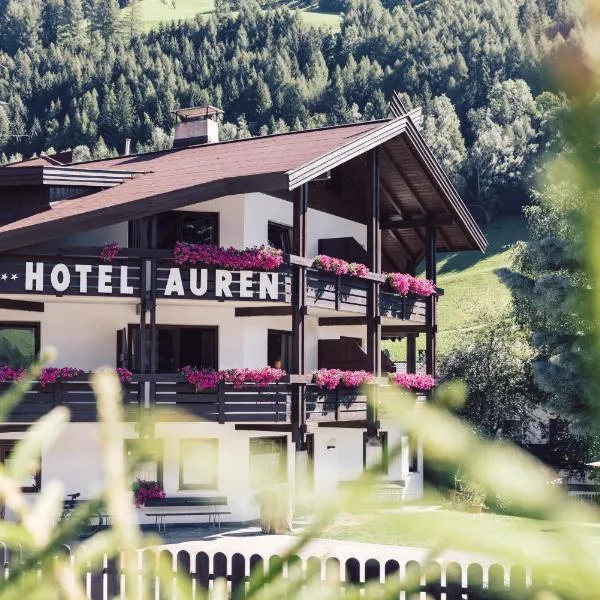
(198, 464)
(376, 452)
(268, 461)
(33, 482)
(19, 343)
(177, 346)
(279, 350)
(145, 457)
(413, 455)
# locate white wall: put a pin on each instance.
(259, 209)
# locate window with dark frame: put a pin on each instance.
(186, 226)
(33, 483)
(280, 237)
(19, 343)
(279, 349)
(413, 455)
(177, 346)
(149, 465)
(198, 464)
(268, 461)
(383, 440)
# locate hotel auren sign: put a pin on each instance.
(90, 277)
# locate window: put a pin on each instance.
(280, 236)
(192, 227)
(19, 343)
(375, 451)
(177, 347)
(268, 461)
(33, 482)
(413, 455)
(279, 349)
(151, 467)
(198, 464)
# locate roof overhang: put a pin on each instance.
(62, 176)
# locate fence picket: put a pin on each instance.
(475, 582)
(433, 580)
(202, 572)
(518, 583)
(238, 576)
(454, 584)
(413, 575)
(149, 569)
(496, 580)
(165, 574)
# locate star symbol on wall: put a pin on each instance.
(14, 276)
(4, 276)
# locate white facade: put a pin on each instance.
(83, 330)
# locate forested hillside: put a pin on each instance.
(78, 73)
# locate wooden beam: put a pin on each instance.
(397, 222)
(263, 311)
(430, 314)
(411, 187)
(335, 321)
(283, 427)
(14, 428)
(7, 304)
(402, 330)
(298, 411)
(359, 424)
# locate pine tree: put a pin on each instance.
(71, 29)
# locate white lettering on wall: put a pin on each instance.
(174, 283)
(124, 287)
(198, 290)
(105, 279)
(34, 275)
(222, 282)
(83, 271)
(268, 285)
(60, 278)
(246, 284)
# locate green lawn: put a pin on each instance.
(155, 12)
(444, 529)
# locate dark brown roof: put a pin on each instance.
(176, 178)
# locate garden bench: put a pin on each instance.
(209, 503)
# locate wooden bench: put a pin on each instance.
(210, 503)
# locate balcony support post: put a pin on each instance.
(430, 315)
(152, 308)
(373, 308)
(298, 412)
(411, 353)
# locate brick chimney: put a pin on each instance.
(197, 125)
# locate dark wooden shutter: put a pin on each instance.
(122, 351)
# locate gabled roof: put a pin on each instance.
(175, 178)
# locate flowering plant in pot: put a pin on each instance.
(145, 490)
(263, 258)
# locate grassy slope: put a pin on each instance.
(154, 12)
(473, 292)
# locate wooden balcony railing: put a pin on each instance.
(171, 399)
(123, 278)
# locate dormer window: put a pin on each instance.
(186, 226)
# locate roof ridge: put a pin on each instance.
(221, 143)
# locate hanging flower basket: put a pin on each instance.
(263, 258)
(144, 490)
(331, 379)
(204, 379)
(110, 251)
(413, 381)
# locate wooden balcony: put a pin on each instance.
(174, 400)
(32, 276)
